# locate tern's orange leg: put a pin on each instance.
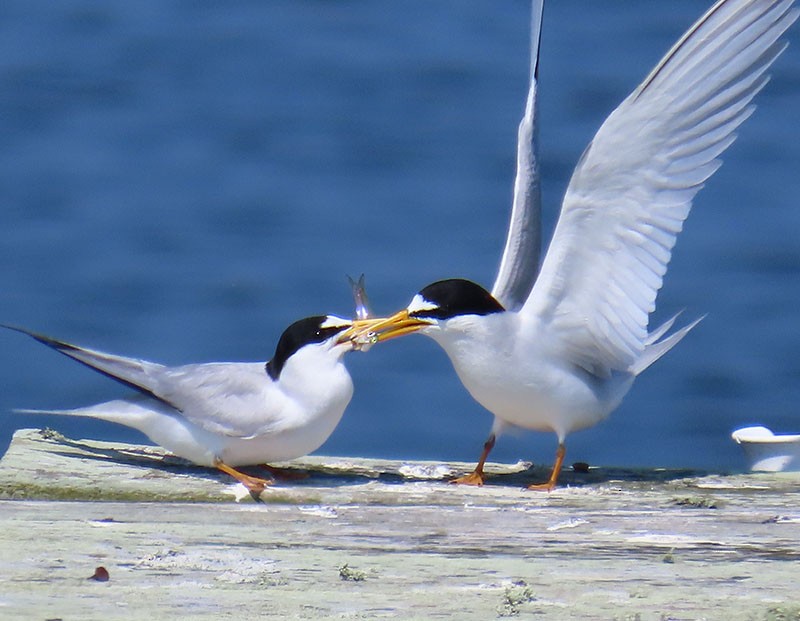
(287, 474)
(253, 484)
(551, 482)
(476, 477)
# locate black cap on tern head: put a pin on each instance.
(449, 298)
(303, 332)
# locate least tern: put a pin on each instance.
(561, 356)
(227, 414)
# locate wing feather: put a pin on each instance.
(520, 263)
(236, 399)
(634, 185)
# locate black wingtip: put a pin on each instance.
(536, 46)
(84, 357)
(42, 338)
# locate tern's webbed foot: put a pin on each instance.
(253, 484)
(549, 486)
(473, 478)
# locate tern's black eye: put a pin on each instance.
(303, 332)
(448, 298)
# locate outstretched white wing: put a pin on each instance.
(520, 263)
(634, 185)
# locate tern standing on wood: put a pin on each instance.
(226, 414)
(557, 349)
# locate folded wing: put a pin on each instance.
(233, 399)
(137, 374)
(236, 399)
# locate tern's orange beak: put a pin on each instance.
(359, 328)
(387, 328)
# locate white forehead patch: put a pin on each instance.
(332, 321)
(418, 303)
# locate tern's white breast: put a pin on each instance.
(315, 388)
(521, 377)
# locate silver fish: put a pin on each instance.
(360, 297)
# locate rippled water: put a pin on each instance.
(181, 180)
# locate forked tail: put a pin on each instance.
(656, 346)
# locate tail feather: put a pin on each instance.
(55, 412)
(89, 412)
(655, 348)
(136, 412)
(134, 373)
(661, 330)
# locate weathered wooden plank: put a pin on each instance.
(44, 465)
(362, 541)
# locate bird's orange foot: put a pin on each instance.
(543, 487)
(550, 485)
(473, 478)
(253, 484)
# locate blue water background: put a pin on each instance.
(179, 180)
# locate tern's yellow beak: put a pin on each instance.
(358, 329)
(383, 329)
